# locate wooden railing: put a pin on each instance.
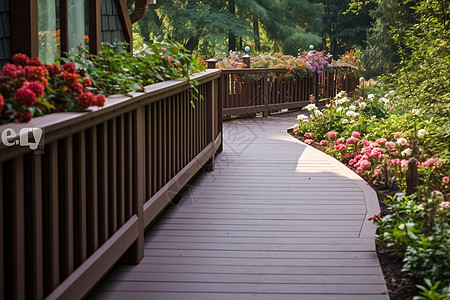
(71, 209)
(248, 91)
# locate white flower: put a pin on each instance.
(371, 96)
(362, 105)
(416, 111)
(407, 152)
(341, 94)
(385, 100)
(302, 117)
(352, 121)
(339, 109)
(318, 113)
(351, 113)
(392, 93)
(421, 133)
(344, 121)
(310, 107)
(352, 107)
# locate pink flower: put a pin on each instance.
(308, 134)
(402, 141)
(340, 141)
(444, 205)
(351, 141)
(364, 143)
(376, 171)
(381, 141)
(332, 135)
(340, 147)
(404, 163)
(9, 70)
(356, 134)
(309, 141)
(323, 142)
(374, 182)
(445, 179)
(390, 144)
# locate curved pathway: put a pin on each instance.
(277, 219)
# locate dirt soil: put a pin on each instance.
(390, 265)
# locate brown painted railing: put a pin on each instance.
(248, 91)
(71, 210)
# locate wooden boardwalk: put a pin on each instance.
(276, 220)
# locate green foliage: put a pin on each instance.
(116, 70)
(431, 292)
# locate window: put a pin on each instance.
(49, 30)
(63, 25)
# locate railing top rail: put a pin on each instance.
(254, 70)
(56, 125)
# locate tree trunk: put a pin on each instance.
(256, 34)
(231, 37)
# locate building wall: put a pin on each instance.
(112, 28)
(5, 33)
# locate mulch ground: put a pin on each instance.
(390, 265)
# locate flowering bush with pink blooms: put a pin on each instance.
(377, 137)
(30, 88)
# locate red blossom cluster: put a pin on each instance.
(27, 82)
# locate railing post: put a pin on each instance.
(137, 252)
(211, 63)
(266, 94)
(412, 177)
(246, 60)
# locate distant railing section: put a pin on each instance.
(252, 90)
(70, 210)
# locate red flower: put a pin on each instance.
(86, 99)
(22, 117)
(87, 81)
(70, 78)
(35, 87)
(2, 102)
(35, 62)
(100, 100)
(34, 73)
(77, 87)
(375, 217)
(253, 44)
(53, 69)
(20, 59)
(69, 67)
(9, 70)
(25, 97)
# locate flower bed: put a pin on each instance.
(306, 63)
(377, 138)
(29, 88)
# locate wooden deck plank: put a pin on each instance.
(230, 296)
(275, 220)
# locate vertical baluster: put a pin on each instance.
(66, 207)
(2, 236)
(120, 171)
(15, 218)
(51, 218)
(112, 178)
(103, 170)
(34, 232)
(160, 145)
(92, 190)
(148, 151)
(155, 139)
(129, 165)
(80, 198)
(169, 135)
